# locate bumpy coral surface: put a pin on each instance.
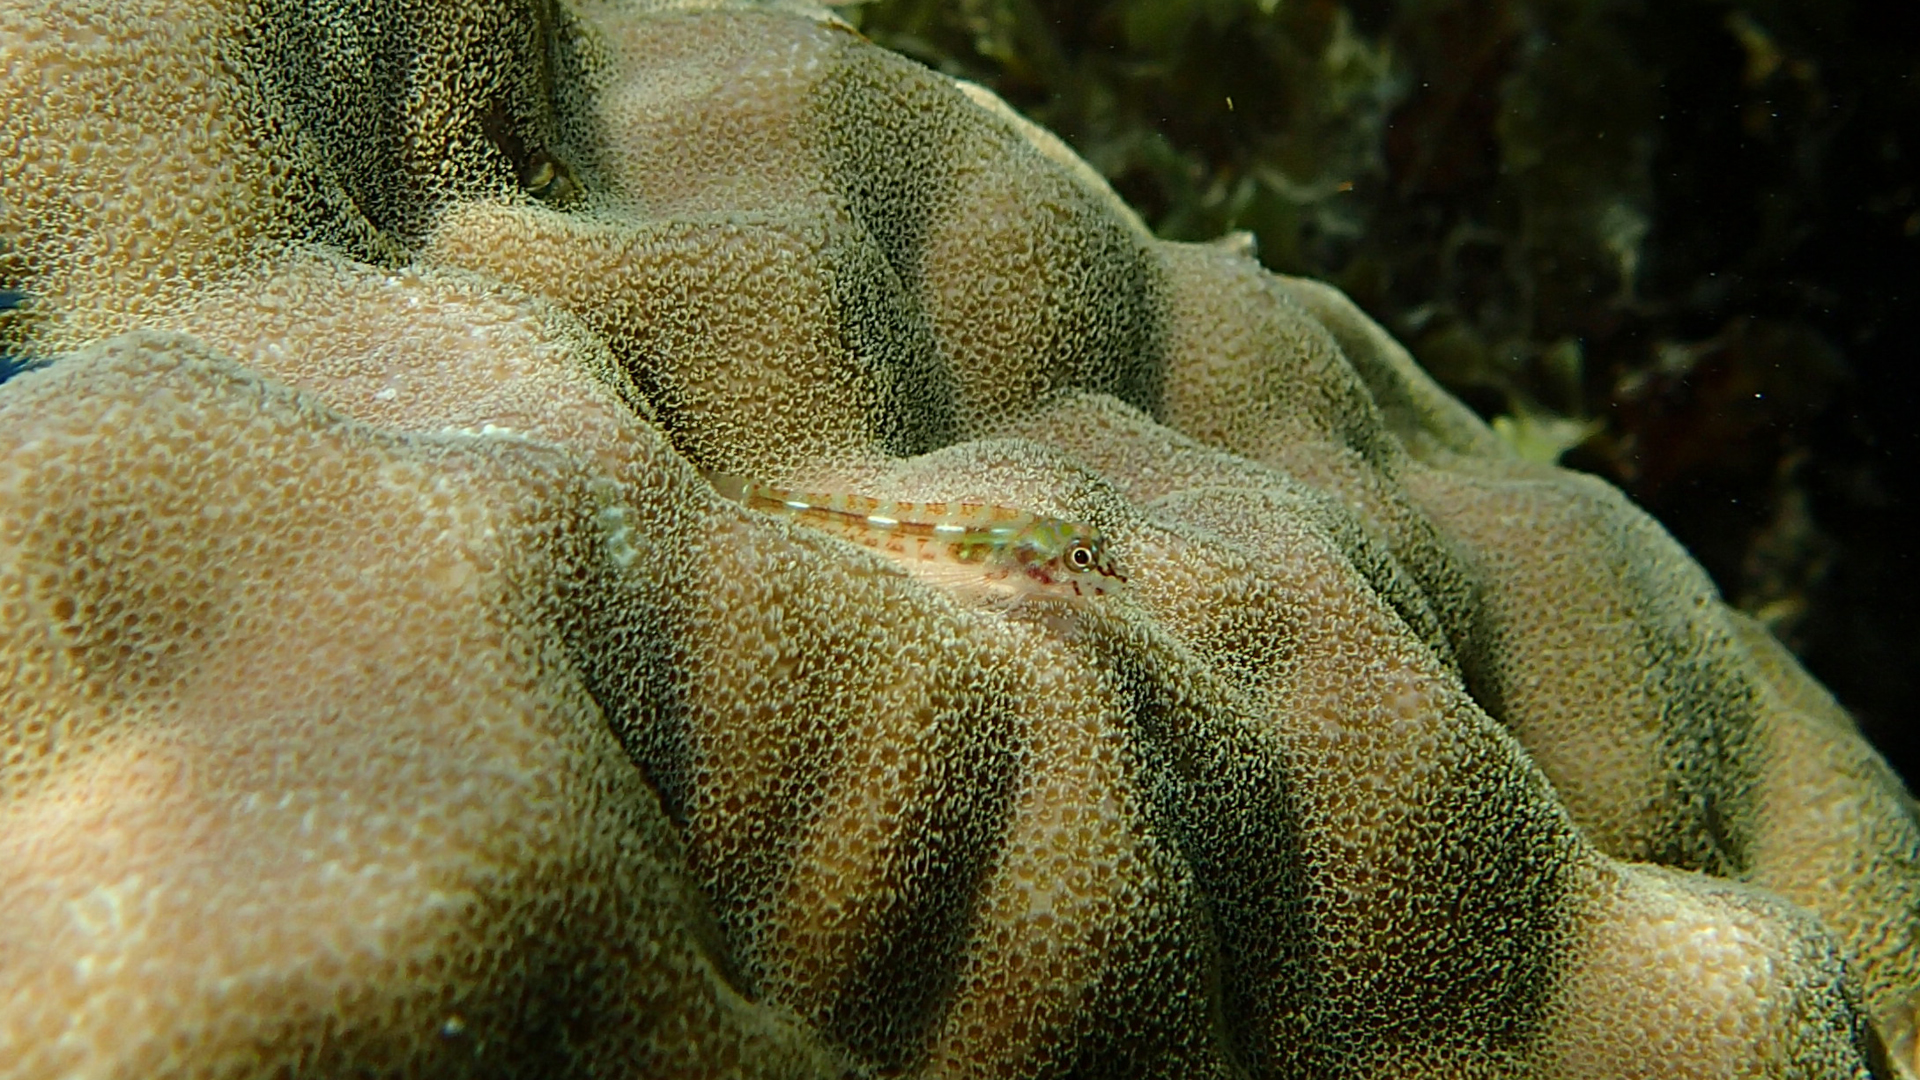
(385, 690)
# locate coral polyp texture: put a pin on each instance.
(386, 689)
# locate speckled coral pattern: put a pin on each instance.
(386, 691)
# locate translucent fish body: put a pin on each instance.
(994, 552)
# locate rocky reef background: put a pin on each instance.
(1677, 244)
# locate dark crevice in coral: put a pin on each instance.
(1218, 796)
(11, 365)
(897, 995)
(897, 193)
(369, 102)
(12, 361)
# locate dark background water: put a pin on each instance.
(1680, 239)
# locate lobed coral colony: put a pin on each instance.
(386, 690)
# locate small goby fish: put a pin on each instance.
(994, 552)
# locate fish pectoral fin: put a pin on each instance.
(728, 485)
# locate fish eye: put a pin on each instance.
(1081, 556)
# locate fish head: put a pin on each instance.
(1066, 559)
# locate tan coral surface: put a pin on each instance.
(385, 691)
